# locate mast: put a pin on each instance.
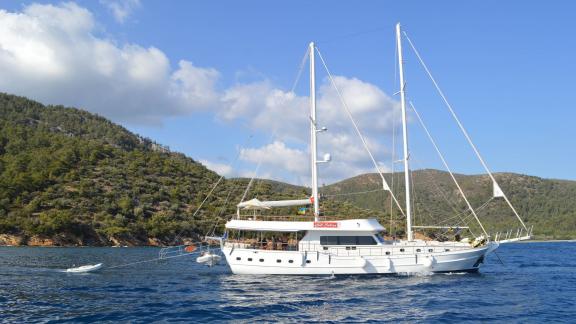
(313, 131)
(404, 135)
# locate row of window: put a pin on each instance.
(347, 240)
(388, 252)
(262, 260)
(308, 261)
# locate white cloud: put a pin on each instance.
(121, 9)
(220, 168)
(287, 116)
(50, 53)
(277, 154)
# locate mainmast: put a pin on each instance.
(404, 135)
(313, 131)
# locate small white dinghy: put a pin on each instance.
(208, 259)
(86, 268)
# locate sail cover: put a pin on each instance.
(257, 204)
(497, 191)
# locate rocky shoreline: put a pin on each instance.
(68, 241)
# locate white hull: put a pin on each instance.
(250, 261)
(209, 259)
(86, 268)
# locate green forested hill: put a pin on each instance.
(549, 205)
(72, 177)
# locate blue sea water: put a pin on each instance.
(536, 283)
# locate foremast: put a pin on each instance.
(409, 232)
(313, 132)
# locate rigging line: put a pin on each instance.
(356, 128)
(461, 126)
(353, 193)
(251, 181)
(223, 208)
(294, 85)
(501, 262)
(419, 209)
(152, 260)
(300, 69)
(211, 191)
(413, 194)
(449, 201)
(484, 205)
(447, 167)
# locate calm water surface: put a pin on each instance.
(537, 283)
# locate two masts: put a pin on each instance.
(310, 245)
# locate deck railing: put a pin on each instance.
(270, 246)
(289, 218)
(344, 251)
(381, 250)
(514, 235)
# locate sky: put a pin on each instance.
(214, 79)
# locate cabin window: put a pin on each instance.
(430, 250)
(238, 258)
(278, 261)
(347, 240)
(290, 261)
(325, 248)
(401, 250)
(418, 250)
(261, 260)
(329, 240)
(249, 259)
(387, 252)
(447, 250)
(366, 240)
(308, 261)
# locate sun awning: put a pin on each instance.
(257, 204)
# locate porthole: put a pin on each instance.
(261, 260)
(308, 261)
(401, 250)
(278, 261)
(387, 252)
(430, 250)
(249, 259)
(447, 250)
(290, 261)
(238, 258)
(418, 250)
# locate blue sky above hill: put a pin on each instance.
(212, 79)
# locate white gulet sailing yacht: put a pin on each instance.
(321, 246)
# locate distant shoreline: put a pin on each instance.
(160, 246)
(546, 241)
